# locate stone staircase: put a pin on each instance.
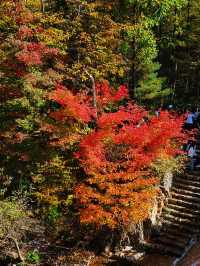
(181, 216)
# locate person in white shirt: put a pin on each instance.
(157, 112)
(196, 114)
(191, 152)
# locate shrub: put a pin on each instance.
(33, 256)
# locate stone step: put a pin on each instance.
(176, 233)
(189, 177)
(172, 251)
(197, 166)
(183, 203)
(181, 213)
(182, 227)
(185, 192)
(181, 217)
(187, 182)
(183, 209)
(189, 198)
(183, 239)
(182, 221)
(194, 172)
(186, 187)
(171, 242)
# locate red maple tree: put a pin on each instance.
(117, 155)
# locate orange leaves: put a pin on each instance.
(141, 205)
(117, 158)
(117, 154)
(116, 207)
(97, 215)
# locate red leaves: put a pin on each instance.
(108, 95)
(117, 155)
(117, 158)
(73, 106)
(79, 106)
(32, 53)
(29, 58)
(22, 15)
(129, 114)
(24, 32)
(121, 93)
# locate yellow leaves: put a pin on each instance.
(173, 165)
(94, 14)
(53, 20)
(50, 197)
(2, 55)
(54, 37)
(93, 6)
(96, 47)
(6, 21)
(99, 4)
(34, 4)
(67, 136)
(54, 180)
(129, 27)
(86, 39)
(88, 60)
(47, 196)
(121, 72)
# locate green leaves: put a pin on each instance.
(152, 89)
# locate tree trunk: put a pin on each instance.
(132, 82)
(93, 93)
(42, 6)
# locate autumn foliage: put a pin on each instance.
(73, 106)
(117, 155)
(71, 144)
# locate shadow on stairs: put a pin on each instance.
(181, 217)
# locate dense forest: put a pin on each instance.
(82, 154)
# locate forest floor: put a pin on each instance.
(55, 255)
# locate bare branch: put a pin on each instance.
(17, 247)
